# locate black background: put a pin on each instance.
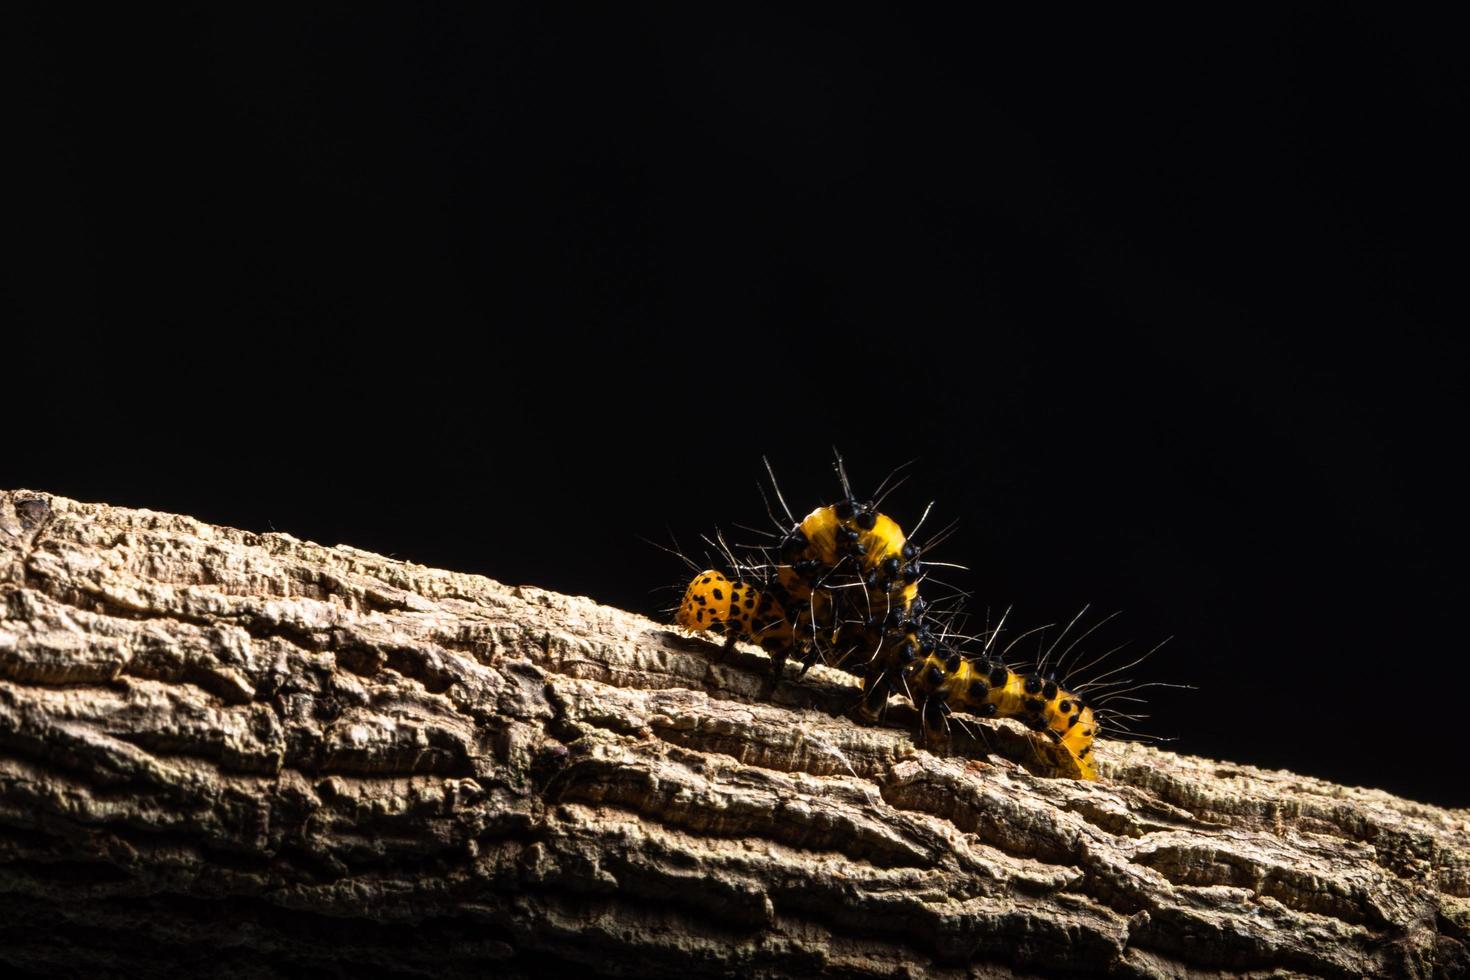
(1165, 305)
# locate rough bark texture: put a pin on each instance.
(251, 754)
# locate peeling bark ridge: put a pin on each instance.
(250, 754)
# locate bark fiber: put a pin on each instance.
(253, 755)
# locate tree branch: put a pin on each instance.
(247, 753)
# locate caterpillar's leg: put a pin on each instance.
(876, 687)
(807, 661)
(731, 633)
(779, 651)
(934, 724)
(806, 656)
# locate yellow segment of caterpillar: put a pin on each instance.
(739, 610)
(943, 682)
(851, 538)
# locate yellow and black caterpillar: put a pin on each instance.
(844, 588)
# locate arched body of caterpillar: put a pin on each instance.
(845, 570)
(833, 536)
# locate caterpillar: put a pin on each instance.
(811, 606)
(845, 589)
(947, 680)
(837, 577)
(937, 677)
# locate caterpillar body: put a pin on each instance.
(845, 569)
(845, 590)
(989, 689)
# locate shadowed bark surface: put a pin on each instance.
(254, 755)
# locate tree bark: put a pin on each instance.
(253, 755)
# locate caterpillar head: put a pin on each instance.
(738, 608)
(707, 601)
(1076, 743)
